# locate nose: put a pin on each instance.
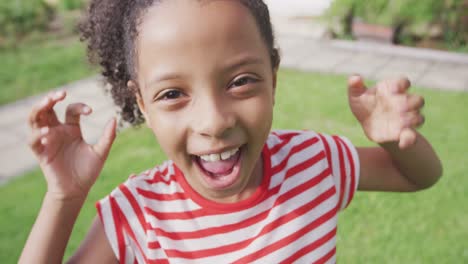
(213, 118)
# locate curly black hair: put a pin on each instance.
(110, 28)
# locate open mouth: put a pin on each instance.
(220, 170)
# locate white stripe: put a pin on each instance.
(253, 230)
(273, 140)
(347, 176)
(160, 205)
(294, 160)
(131, 217)
(291, 227)
(203, 222)
(160, 187)
(335, 163)
(321, 251)
(176, 206)
(231, 218)
(355, 157)
(109, 225)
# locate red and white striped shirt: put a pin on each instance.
(156, 217)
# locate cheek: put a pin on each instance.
(167, 132)
(258, 115)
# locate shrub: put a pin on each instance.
(23, 16)
(418, 18)
(73, 4)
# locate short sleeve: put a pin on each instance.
(343, 160)
(114, 215)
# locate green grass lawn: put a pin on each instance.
(38, 65)
(425, 227)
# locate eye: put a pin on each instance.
(169, 95)
(242, 81)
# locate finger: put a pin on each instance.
(415, 102)
(43, 113)
(407, 138)
(402, 85)
(38, 140)
(102, 147)
(356, 86)
(74, 111)
(413, 119)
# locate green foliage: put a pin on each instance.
(19, 17)
(73, 4)
(37, 66)
(449, 16)
(456, 23)
(389, 13)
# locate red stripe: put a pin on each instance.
(352, 187)
(154, 245)
(160, 177)
(285, 135)
(245, 223)
(212, 230)
(286, 139)
(342, 171)
(305, 165)
(304, 187)
(288, 135)
(161, 196)
(130, 233)
(294, 236)
(179, 215)
(136, 207)
(293, 150)
(188, 215)
(266, 229)
(118, 229)
(311, 247)
(327, 256)
(327, 150)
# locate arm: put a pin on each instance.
(70, 167)
(388, 168)
(49, 236)
(405, 160)
(95, 248)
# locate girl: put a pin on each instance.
(202, 75)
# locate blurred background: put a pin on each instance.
(322, 42)
(27, 25)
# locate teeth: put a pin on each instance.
(226, 155)
(217, 157)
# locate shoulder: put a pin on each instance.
(138, 188)
(288, 141)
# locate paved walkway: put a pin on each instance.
(302, 48)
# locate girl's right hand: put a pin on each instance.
(70, 165)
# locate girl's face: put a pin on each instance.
(207, 90)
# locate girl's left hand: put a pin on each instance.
(387, 112)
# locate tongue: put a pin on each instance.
(219, 167)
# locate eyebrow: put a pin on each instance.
(164, 77)
(243, 61)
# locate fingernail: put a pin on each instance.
(44, 141)
(45, 101)
(58, 94)
(86, 109)
(44, 130)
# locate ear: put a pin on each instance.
(275, 75)
(133, 86)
